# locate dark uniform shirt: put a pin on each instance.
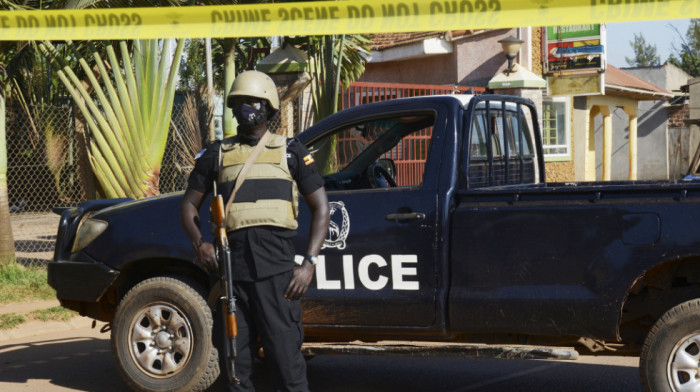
(260, 251)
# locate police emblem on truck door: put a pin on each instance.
(339, 226)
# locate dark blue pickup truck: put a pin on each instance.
(443, 230)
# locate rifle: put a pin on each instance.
(228, 300)
(223, 252)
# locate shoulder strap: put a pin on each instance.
(246, 168)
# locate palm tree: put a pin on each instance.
(129, 115)
(335, 61)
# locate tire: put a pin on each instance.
(161, 337)
(671, 353)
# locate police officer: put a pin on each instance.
(260, 225)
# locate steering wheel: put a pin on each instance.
(379, 177)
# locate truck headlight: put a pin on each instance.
(87, 232)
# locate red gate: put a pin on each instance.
(412, 151)
(359, 93)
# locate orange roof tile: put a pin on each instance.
(617, 77)
(391, 40)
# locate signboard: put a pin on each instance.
(574, 85)
(572, 48)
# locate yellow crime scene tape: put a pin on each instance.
(329, 17)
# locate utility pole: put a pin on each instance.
(210, 89)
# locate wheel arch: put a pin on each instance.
(140, 270)
(654, 292)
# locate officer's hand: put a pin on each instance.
(301, 278)
(206, 256)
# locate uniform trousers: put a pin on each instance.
(262, 311)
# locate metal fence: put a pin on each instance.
(44, 171)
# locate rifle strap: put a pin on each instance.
(246, 168)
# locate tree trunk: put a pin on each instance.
(87, 178)
(7, 242)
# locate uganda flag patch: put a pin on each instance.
(308, 160)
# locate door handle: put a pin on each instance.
(405, 217)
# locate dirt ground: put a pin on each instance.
(37, 327)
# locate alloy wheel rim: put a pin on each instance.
(684, 364)
(160, 340)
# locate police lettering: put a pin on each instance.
(397, 15)
(307, 18)
(113, 20)
(401, 9)
(59, 21)
(371, 272)
(308, 13)
(28, 22)
(611, 10)
(464, 11)
(240, 16)
(464, 6)
(360, 16)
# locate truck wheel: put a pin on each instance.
(161, 337)
(670, 359)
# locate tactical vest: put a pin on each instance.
(269, 194)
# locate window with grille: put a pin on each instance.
(555, 129)
(501, 148)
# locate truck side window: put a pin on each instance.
(348, 157)
(503, 155)
(478, 141)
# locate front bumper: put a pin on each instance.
(80, 281)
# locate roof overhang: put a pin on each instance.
(286, 58)
(635, 93)
(427, 47)
(522, 78)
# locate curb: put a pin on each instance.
(35, 328)
(38, 327)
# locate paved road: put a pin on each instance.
(80, 360)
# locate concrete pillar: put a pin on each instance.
(589, 157)
(631, 111)
(607, 143)
(579, 144)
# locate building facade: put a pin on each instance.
(623, 132)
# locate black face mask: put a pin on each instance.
(249, 116)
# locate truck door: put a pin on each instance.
(377, 266)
